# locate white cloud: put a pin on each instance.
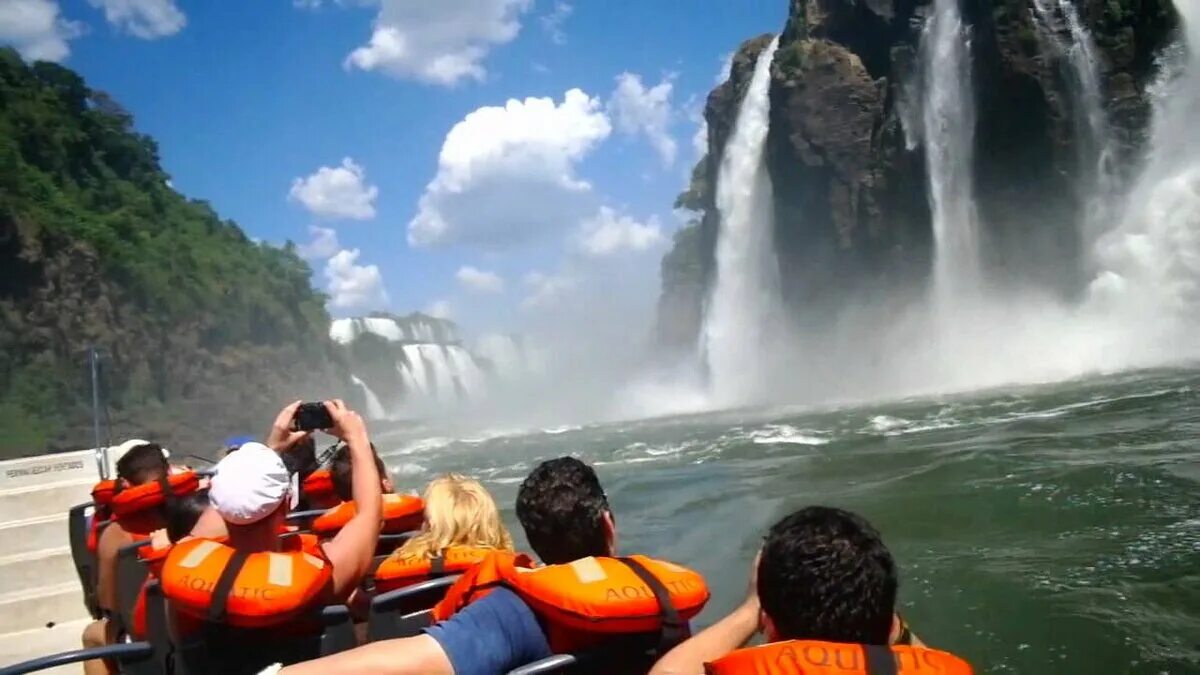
(553, 21)
(323, 245)
(608, 233)
(544, 289)
(479, 281)
(147, 19)
(440, 309)
(354, 286)
(337, 192)
(507, 174)
(307, 4)
(438, 41)
(36, 30)
(638, 110)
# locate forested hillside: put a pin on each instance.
(202, 330)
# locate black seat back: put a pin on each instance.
(246, 651)
(79, 522)
(622, 655)
(405, 611)
(157, 635)
(131, 575)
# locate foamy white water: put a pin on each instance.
(745, 296)
(1151, 263)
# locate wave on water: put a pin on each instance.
(786, 434)
(406, 469)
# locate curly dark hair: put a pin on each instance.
(826, 575)
(142, 464)
(561, 506)
(341, 471)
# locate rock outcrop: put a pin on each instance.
(853, 219)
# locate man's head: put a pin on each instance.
(341, 471)
(565, 513)
(143, 463)
(250, 487)
(826, 575)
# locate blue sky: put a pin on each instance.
(532, 202)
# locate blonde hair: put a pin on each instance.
(458, 512)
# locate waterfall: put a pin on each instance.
(745, 297)
(948, 129)
(468, 375)
(417, 371)
(1063, 30)
(1151, 261)
(375, 410)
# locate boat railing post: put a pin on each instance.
(101, 450)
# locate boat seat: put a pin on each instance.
(131, 576)
(405, 611)
(79, 521)
(237, 651)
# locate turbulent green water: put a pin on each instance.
(1051, 529)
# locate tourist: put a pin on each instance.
(489, 626)
(823, 587)
(142, 464)
(252, 492)
(461, 527)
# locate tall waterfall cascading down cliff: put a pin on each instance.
(745, 297)
(948, 129)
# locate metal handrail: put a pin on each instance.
(124, 653)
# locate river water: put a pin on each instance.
(1048, 529)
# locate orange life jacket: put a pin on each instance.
(103, 493)
(810, 657)
(137, 499)
(401, 513)
(398, 572)
(205, 579)
(102, 496)
(590, 597)
(318, 484)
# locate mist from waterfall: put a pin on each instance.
(745, 300)
(948, 131)
(1151, 262)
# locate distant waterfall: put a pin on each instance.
(948, 129)
(745, 298)
(1151, 261)
(1063, 30)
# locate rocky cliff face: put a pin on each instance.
(851, 190)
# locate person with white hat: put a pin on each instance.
(252, 491)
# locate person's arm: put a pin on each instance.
(491, 635)
(210, 525)
(353, 548)
(724, 636)
(107, 549)
(420, 655)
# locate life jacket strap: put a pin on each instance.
(673, 629)
(437, 566)
(218, 610)
(879, 660)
